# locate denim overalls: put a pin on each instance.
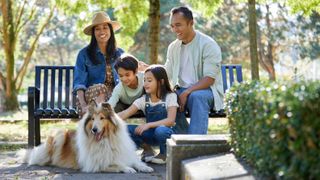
(153, 136)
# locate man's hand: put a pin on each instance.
(141, 128)
(183, 99)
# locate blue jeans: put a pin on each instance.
(153, 136)
(198, 104)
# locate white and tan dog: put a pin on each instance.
(100, 144)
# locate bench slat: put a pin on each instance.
(224, 78)
(45, 89)
(60, 88)
(239, 73)
(231, 77)
(53, 86)
(67, 88)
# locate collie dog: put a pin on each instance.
(101, 143)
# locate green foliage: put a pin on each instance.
(275, 127)
(207, 8)
(130, 13)
(306, 7)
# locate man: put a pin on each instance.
(194, 66)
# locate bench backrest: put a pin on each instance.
(55, 84)
(230, 74)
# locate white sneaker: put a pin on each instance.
(159, 159)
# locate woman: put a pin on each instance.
(94, 74)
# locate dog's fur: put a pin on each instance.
(100, 144)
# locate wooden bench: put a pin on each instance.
(52, 98)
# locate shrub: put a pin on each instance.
(276, 127)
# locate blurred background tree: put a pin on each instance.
(50, 32)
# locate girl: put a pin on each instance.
(159, 104)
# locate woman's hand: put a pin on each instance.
(142, 66)
(84, 109)
(141, 128)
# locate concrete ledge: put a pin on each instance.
(220, 166)
(181, 147)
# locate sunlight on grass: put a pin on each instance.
(18, 131)
(14, 116)
(218, 129)
(13, 131)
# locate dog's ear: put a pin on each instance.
(107, 106)
(110, 112)
(92, 106)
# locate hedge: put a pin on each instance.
(275, 127)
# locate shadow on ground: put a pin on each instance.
(11, 169)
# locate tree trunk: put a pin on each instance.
(269, 59)
(9, 39)
(266, 57)
(10, 33)
(154, 30)
(253, 40)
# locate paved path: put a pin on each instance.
(11, 169)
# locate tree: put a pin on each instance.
(154, 30)
(205, 6)
(16, 16)
(253, 40)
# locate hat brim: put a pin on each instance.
(115, 25)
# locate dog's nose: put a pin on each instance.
(94, 130)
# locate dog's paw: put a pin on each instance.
(145, 169)
(141, 167)
(129, 170)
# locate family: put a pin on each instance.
(190, 80)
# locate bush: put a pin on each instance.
(276, 127)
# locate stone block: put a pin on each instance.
(219, 166)
(181, 147)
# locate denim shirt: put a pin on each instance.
(87, 74)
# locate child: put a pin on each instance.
(131, 86)
(159, 104)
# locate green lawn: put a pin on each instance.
(17, 131)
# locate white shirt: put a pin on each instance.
(187, 74)
(171, 100)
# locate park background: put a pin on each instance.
(273, 120)
(42, 32)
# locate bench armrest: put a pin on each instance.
(33, 97)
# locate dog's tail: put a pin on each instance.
(23, 155)
(39, 155)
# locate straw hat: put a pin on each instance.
(101, 18)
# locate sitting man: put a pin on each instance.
(194, 66)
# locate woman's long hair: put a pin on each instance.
(163, 85)
(111, 46)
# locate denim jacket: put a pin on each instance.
(87, 74)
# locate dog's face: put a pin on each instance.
(100, 121)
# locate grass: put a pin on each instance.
(17, 131)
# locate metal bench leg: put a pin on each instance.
(37, 131)
(31, 118)
(31, 131)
